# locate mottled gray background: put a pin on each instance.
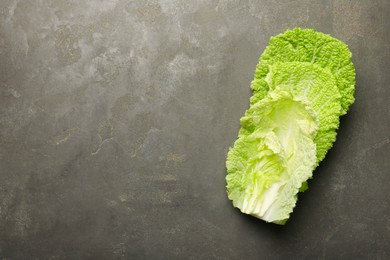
(116, 116)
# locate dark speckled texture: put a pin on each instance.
(116, 116)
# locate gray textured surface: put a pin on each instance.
(116, 116)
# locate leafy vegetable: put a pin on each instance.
(303, 83)
(268, 166)
(307, 45)
(311, 82)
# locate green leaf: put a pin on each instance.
(267, 167)
(317, 85)
(303, 83)
(307, 45)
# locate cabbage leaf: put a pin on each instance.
(267, 167)
(303, 83)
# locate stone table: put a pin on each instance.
(116, 117)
